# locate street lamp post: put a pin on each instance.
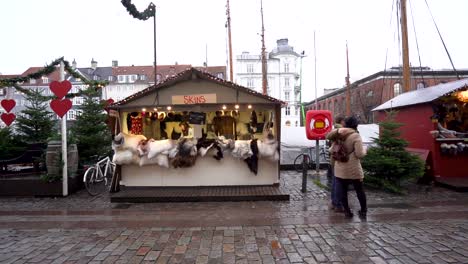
(300, 91)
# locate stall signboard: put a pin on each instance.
(318, 124)
(194, 99)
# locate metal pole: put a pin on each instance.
(300, 93)
(315, 73)
(264, 62)
(231, 73)
(404, 43)
(317, 156)
(154, 40)
(64, 141)
(305, 162)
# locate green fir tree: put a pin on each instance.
(90, 129)
(388, 165)
(11, 145)
(35, 123)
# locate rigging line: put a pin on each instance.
(386, 56)
(417, 45)
(443, 43)
(399, 49)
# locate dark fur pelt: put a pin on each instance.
(252, 161)
(206, 143)
(186, 153)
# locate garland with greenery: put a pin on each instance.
(150, 11)
(48, 69)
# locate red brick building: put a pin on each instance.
(378, 88)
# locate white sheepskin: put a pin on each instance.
(125, 157)
(160, 159)
(242, 149)
(130, 142)
(268, 149)
(160, 146)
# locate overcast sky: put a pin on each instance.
(36, 32)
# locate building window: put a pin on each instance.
(45, 80)
(287, 111)
(286, 96)
(158, 78)
(143, 77)
(396, 89)
(250, 68)
(71, 115)
(134, 78)
(78, 100)
(220, 75)
(297, 123)
(286, 82)
(296, 110)
(110, 78)
(250, 83)
(2, 91)
(95, 77)
(286, 67)
(121, 78)
(32, 81)
(420, 85)
(370, 93)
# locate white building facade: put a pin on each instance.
(283, 67)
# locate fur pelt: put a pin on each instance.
(125, 157)
(152, 147)
(160, 159)
(125, 141)
(268, 148)
(242, 149)
(204, 145)
(186, 153)
(252, 161)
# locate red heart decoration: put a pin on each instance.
(60, 89)
(8, 104)
(61, 107)
(107, 103)
(8, 118)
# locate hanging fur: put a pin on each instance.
(242, 149)
(268, 148)
(125, 157)
(125, 141)
(186, 153)
(155, 147)
(160, 159)
(252, 161)
(204, 145)
(253, 122)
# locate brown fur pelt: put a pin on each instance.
(186, 153)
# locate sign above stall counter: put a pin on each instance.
(194, 99)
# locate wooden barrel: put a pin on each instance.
(54, 160)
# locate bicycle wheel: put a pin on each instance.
(298, 162)
(93, 183)
(110, 174)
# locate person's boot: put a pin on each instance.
(362, 214)
(348, 214)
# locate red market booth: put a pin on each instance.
(436, 127)
(196, 132)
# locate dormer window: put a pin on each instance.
(32, 81)
(95, 77)
(45, 79)
(110, 78)
(142, 77)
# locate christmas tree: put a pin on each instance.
(36, 122)
(90, 129)
(388, 164)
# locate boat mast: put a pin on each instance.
(264, 62)
(348, 86)
(228, 13)
(404, 44)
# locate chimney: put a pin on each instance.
(282, 42)
(74, 64)
(115, 63)
(93, 64)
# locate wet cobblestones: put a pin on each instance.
(426, 226)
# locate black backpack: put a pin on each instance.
(338, 150)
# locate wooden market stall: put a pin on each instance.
(436, 126)
(196, 130)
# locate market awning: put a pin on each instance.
(423, 95)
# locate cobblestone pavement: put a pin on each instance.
(429, 225)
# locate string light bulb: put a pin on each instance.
(169, 108)
(224, 107)
(236, 106)
(249, 106)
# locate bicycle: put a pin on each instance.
(97, 178)
(307, 158)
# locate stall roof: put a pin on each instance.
(187, 75)
(425, 95)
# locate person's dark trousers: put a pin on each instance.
(336, 201)
(343, 193)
